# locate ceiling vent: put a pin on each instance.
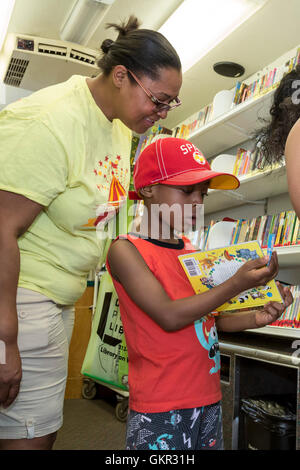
(32, 63)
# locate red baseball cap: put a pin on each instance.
(176, 162)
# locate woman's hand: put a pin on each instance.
(10, 375)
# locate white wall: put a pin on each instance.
(9, 94)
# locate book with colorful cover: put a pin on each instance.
(208, 269)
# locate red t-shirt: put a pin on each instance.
(168, 370)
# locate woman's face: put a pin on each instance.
(136, 110)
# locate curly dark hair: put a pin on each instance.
(285, 111)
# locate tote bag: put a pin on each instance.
(106, 357)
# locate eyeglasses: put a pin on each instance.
(160, 105)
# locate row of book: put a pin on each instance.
(285, 226)
(242, 92)
(198, 120)
(248, 162)
(264, 83)
(291, 316)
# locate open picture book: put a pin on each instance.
(208, 269)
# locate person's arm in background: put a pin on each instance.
(16, 215)
(292, 158)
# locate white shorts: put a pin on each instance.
(45, 331)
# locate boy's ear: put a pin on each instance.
(119, 75)
(146, 192)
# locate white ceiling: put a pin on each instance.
(272, 31)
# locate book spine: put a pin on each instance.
(261, 228)
(291, 228)
(266, 231)
(280, 227)
(238, 229)
(296, 230)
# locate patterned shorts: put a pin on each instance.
(187, 429)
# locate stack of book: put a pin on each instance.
(285, 226)
(291, 316)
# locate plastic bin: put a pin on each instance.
(269, 423)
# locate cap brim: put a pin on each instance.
(217, 180)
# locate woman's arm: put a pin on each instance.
(16, 214)
(129, 268)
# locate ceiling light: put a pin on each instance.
(229, 69)
(197, 26)
(6, 9)
(83, 20)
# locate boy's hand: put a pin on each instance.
(273, 310)
(256, 272)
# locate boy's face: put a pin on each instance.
(184, 202)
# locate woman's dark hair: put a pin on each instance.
(285, 111)
(139, 50)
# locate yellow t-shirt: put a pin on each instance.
(57, 148)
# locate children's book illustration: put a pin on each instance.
(208, 269)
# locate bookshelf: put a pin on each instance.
(259, 186)
(232, 128)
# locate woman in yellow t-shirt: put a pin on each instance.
(64, 156)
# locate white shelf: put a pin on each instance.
(260, 186)
(232, 128)
(277, 331)
(227, 131)
(288, 256)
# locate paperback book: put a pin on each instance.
(208, 269)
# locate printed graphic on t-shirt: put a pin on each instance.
(209, 340)
(110, 174)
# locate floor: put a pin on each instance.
(90, 425)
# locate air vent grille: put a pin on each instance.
(15, 72)
(82, 57)
(54, 50)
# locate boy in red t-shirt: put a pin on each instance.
(171, 336)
